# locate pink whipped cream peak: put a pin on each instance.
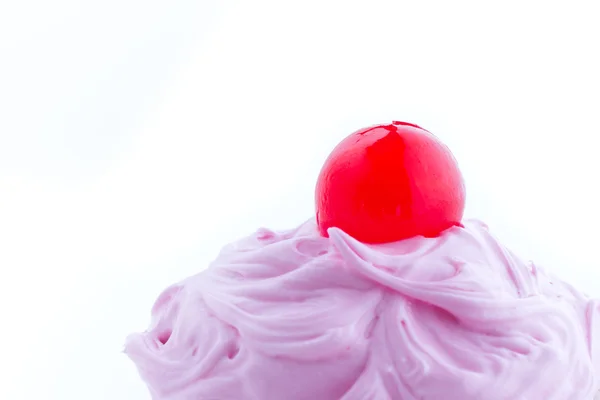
(294, 315)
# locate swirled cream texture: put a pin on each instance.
(296, 316)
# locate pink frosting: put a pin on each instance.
(293, 315)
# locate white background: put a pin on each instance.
(136, 137)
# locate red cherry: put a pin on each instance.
(390, 182)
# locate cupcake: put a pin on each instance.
(386, 294)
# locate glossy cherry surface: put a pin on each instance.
(390, 182)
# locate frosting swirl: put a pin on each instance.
(298, 316)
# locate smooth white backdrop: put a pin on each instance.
(136, 137)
